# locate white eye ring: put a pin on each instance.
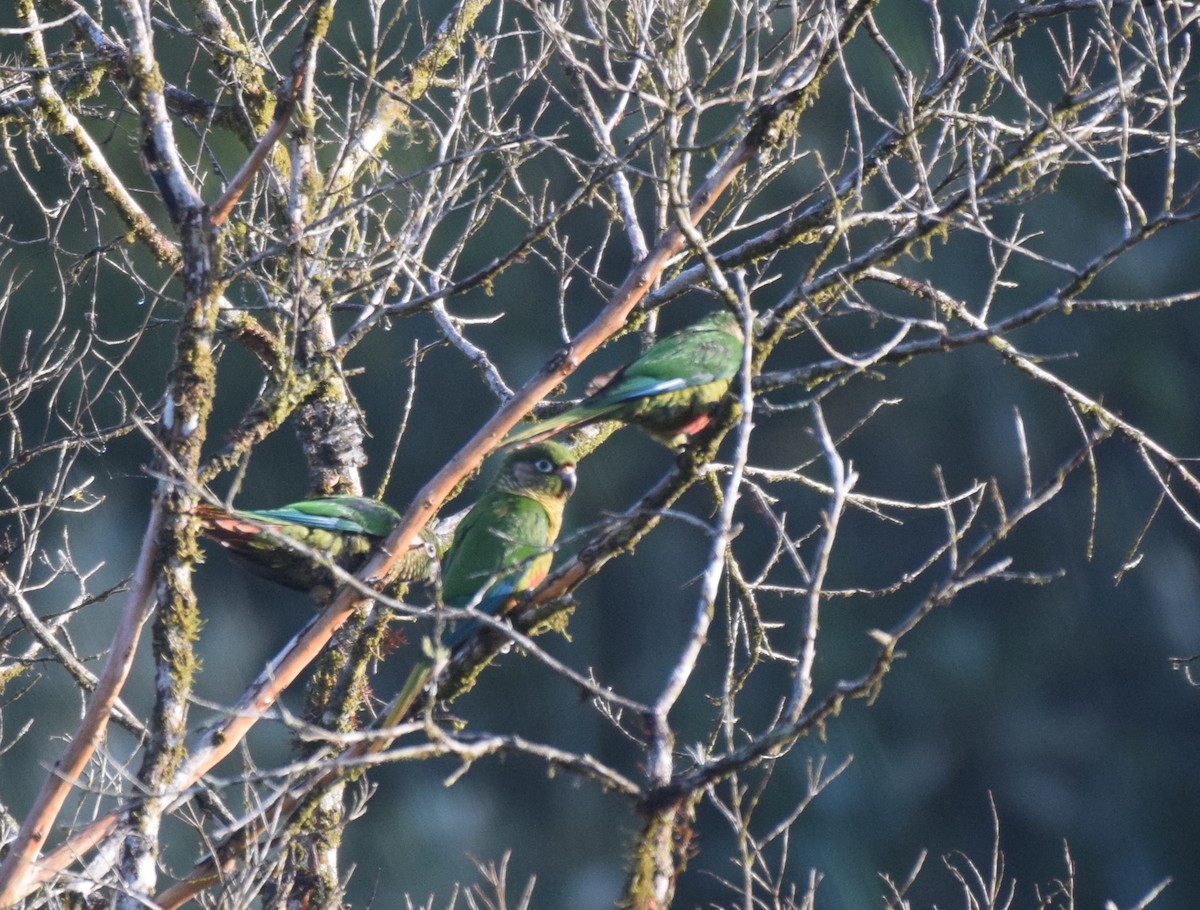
(544, 465)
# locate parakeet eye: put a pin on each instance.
(544, 465)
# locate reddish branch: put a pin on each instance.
(18, 869)
(241, 180)
(763, 131)
(21, 869)
(224, 738)
(219, 741)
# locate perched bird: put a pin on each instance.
(670, 391)
(344, 529)
(502, 548)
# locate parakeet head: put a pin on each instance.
(544, 470)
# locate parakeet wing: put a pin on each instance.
(708, 351)
(501, 546)
(345, 529)
(705, 357)
(350, 514)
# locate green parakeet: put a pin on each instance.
(345, 529)
(502, 547)
(670, 391)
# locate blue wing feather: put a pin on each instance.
(491, 603)
(293, 517)
(346, 514)
(631, 389)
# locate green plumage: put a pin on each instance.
(345, 530)
(670, 391)
(502, 548)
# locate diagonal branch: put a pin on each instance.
(764, 128)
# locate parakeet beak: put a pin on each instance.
(567, 474)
